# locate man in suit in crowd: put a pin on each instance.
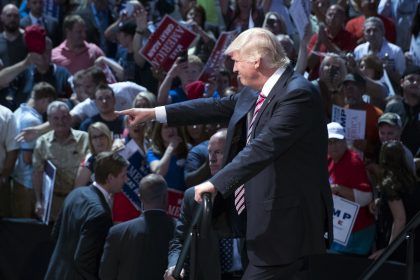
(84, 222)
(279, 153)
(138, 249)
(36, 16)
(208, 258)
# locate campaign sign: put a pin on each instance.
(48, 180)
(137, 169)
(174, 202)
(217, 57)
(166, 43)
(344, 216)
(353, 121)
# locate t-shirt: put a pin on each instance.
(25, 116)
(350, 172)
(175, 176)
(116, 126)
(125, 92)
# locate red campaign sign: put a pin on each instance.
(174, 202)
(166, 43)
(217, 57)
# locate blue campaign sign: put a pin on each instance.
(137, 169)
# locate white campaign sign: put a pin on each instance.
(353, 121)
(344, 216)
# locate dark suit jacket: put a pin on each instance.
(138, 249)
(284, 167)
(51, 27)
(81, 229)
(208, 257)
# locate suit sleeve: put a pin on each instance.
(289, 121)
(201, 111)
(181, 229)
(89, 248)
(110, 256)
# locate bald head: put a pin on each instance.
(10, 18)
(215, 148)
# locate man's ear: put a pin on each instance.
(258, 63)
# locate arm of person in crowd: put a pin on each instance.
(111, 32)
(203, 34)
(37, 185)
(31, 133)
(163, 94)
(375, 89)
(266, 5)
(9, 165)
(343, 191)
(161, 166)
(399, 218)
(115, 66)
(108, 269)
(302, 59)
(141, 33)
(82, 177)
(90, 245)
(398, 223)
(8, 74)
(313, 58)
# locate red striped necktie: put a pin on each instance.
(240, 192)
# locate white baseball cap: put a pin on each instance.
(335, 130)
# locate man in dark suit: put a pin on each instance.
(84, 222)
(36, 16)
(138, 249)
(278, 152)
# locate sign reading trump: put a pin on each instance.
(345, 213)
(166, 43)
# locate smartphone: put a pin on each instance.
(183, 56)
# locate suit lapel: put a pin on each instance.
(101, 198)
(278, 90)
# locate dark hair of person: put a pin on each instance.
(97, 74)
(396, 177)
(157, 142)
(199, 10)
(373, 62)
(415, 27)
(43, 90)
(237, 12)
(108, 163)
(104, 86)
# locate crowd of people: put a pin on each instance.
(66, 67)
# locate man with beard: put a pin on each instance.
(12, 46)
(12, 50)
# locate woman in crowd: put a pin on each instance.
(100, 140)
(167, 155)
(399, 199)
(244, 15)
(203, 45)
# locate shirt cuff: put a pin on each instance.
(160, 113)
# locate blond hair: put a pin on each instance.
(259, 43)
